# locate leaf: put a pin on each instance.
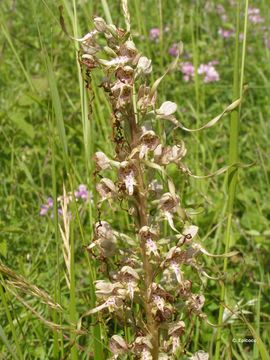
(22, 124)
(225, 255)
(7, 343)
(220, 171)
(212, 122)
(3, 248)
(262, 349)
(57, 106)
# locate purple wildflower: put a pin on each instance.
(213, 62)
(209, 72)
(82, 192)
(225, 34)
(174, 50)
(154, 34)
(255, 16)
(43, 210)
(187, 69)
(46, 207)
(50, 202)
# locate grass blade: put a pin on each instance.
(233, 158)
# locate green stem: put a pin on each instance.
(57, 286)
(233, 158)
(14, 334)
(72, 306)
(195, 50)
(106, 11)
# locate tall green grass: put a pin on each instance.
(238, 81)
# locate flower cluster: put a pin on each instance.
(144, 287)
(208, 71)
(154, 34)
(174, 50)
(254, 16)
(221, 11)
(81, 193)
(225, 33)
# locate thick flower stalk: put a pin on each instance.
(143, 286)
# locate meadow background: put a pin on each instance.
(47, 140)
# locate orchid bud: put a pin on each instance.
(117, 345)
(105, 238)
(106, 189)
(100, 24)
(167, 108)
(110, 51)
(102, 161)
(89, 50)
(144, 66)
(104, 287)
(115, 62)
